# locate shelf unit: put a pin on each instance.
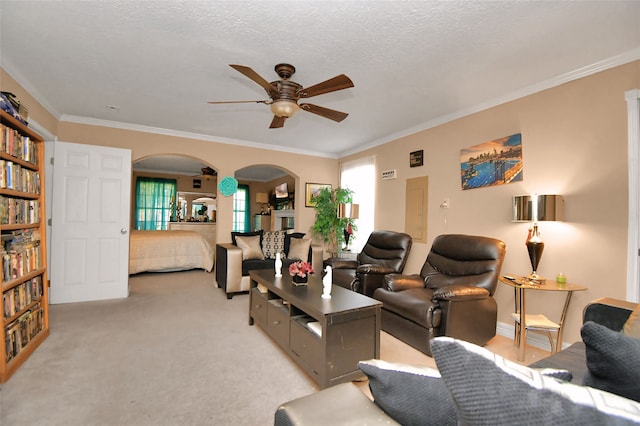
(326, 337)
(24, 281)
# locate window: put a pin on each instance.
(241, 220)
(358, 175)
(155, 200)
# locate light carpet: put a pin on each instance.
(175, 352)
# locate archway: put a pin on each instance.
(196, 182)
(272, 196)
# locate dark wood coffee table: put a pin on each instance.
(326, 337)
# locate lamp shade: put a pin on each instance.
(284, 108)
(348, 211)
(538, 208)
(262, 197)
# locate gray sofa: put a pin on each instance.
(345, 404)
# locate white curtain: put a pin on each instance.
(360, 177)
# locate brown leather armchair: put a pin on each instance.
(452, 296)
(385, 252)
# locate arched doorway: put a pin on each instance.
(196, 181)
(271, 197)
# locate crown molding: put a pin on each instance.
(558, 80)
(188, 135)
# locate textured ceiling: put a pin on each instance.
(414, 63)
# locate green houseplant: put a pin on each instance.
(328, 226)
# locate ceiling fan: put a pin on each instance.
(284, 94)
(207, 173)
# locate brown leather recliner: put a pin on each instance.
(452, 296)
(385, 252)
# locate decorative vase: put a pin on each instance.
(278, 265)
(327, 283)
(297, 279)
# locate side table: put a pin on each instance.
(524, 321)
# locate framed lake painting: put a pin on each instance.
(492, 163)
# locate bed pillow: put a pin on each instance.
(488, 389)
(299, 249)
(273, 243)
(411, 395)
(251, 248)
(612, 359)
(631, 326)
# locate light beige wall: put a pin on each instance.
(574, 140)
(574, 143)
(224, 158)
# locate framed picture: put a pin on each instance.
(491, 163)
(311, 191)
(416, 158)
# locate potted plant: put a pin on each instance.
(328, 226)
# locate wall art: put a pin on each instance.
(312, 190)
(492, 163)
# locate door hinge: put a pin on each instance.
(49, 222)
(51, 161)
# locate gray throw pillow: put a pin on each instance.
(613, 359)
(411, 395)
(488, 389)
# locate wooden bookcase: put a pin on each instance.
(25, 285)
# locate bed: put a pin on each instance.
(166, 251)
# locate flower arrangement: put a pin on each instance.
(300, 269)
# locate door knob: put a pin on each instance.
(123, 231)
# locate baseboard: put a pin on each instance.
(533, 338)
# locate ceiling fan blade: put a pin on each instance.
(277, 122)
(336, 83)
(238, 102)
(331, 114)
(248, 72)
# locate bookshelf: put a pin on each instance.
(25, 292)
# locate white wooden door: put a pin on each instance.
(90, 223)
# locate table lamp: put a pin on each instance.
(262, 198)
(533, 209)
(348, 211)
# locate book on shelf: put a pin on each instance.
(20, 253)
(17, 145)
(18, 298)
(22, 330)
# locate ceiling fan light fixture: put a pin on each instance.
(284, 108)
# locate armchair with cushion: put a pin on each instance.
(452, 296)
(257, 250)
(385, 252)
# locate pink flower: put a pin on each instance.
(300, 269)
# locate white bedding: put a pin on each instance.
(163, 251)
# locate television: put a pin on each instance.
(282, 191)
